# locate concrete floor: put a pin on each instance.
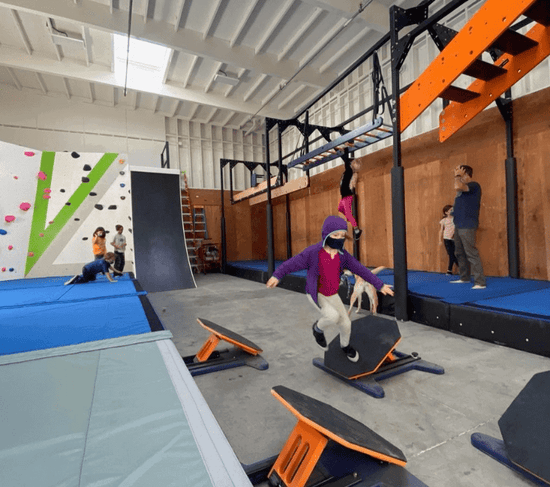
(429, 417)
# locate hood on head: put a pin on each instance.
(333, 224)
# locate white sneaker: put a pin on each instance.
(459, 281)
(71, 280)
(477, 286)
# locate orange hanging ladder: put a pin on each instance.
(489, 28)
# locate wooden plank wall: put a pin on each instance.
(429, 168)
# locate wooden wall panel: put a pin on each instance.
(429, 168)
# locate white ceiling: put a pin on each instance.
(262, 42)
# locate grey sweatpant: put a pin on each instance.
(468, 255)
(333, 313)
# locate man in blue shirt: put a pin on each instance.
(466, 220)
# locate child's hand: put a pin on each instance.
(386, 289)
(273, 281)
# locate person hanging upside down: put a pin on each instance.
(347, 191)
(325, 261)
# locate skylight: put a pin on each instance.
(147, 63)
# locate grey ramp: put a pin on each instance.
(160, 251)
(116, 416)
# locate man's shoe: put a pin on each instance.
(478, 286)
(353, 355)
(357, 233)
(460, 281)
(71, 280)
(319, 337)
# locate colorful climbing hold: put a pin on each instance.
(50, 222)
(10, 247)
(9, 218)
(31, 254)
(25, 206)
(121, 161)
(11, 269)
(46, 196)
(42, 175)
(41, 235)
(16, 177)
(122, 185)
(29, 154)
(3, 269)
(3, 232)
(47, 190)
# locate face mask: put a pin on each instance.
(335, 243)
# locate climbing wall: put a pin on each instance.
(50, 205)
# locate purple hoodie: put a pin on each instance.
(309, 259)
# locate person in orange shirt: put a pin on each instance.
(99, 247)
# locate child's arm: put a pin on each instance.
(114, 245)
(294, 264)
(353, 181)
(441, 227)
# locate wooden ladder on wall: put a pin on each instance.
(191, 238)
(488, 29)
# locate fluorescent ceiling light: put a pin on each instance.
(147, 61)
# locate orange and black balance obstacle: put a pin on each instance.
(208, 359)
(375, 339)
(329, 448)
(525, 429)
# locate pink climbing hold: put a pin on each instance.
(46, 196)
(31, 254)
(15, 177)
(9, 218)
(42, 175)
(10, 247)
(47, 190)
(41, 235)
(25, 206)
(29, 154)
(3, 269)
(50, 222)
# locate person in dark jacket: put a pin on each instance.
(325, 261)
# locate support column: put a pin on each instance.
(224, 243)
(398, 183)
(269, 208)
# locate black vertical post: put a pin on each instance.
(287, 199)
(231, 181)
(224, 243)
(398, 184)
(511, 192)
(306, 137)
(354, 213)
(269, 208)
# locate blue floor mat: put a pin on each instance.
(534, 302)
(47, 282)
(42, 293)
(58, 324)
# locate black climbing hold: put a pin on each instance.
(112, 207)
(77, 219)
(123, 197)
(75, 155)
(122, 185)
(85, 179)
(87, 167)
(68, 203)
(84, 238)
(62, 190)
(130, 230)
(99, 207)
(122, 173)
(93, 194)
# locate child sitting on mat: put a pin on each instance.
(325, 261)
(89, 271)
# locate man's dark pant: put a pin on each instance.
(468, 255)
(119, 261)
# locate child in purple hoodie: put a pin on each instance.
(325, 261)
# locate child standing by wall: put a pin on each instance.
(446, 234)
(90, 271)
(99, 247)
(325, 262)
(119, 243)
(347, 191)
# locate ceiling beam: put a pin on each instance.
(331, 33)
(168, 66)
(268, 32)
(212, 115)
(97, 16)
(21, 30)
(156, 104)
(87, 45)
(101, 75)
(14, 78)
(180, 6)
(145, 10)
(210, 21)
(112, 101)
(299, 33)
(91, 92)
(211, 81)
(177, 104)
(133, 101)
(243, 23)
(67, 90)
(232, 88)
(291, 96)
(190, 71)
(42, 84)
(254, 87)
(375, 16)
(226, 120)
(194, 112)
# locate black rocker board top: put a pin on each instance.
(373, 337)
(525, 427)
(230, 336)
(338, 426)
